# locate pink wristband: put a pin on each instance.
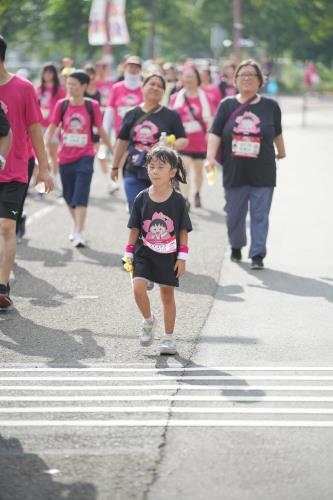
(129, 248)
(183, 249)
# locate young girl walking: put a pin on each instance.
(158, 243)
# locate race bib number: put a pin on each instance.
(161, 246)
(245, 146)
(75, 140)
(191, 127)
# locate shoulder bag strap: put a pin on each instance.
(195, 116)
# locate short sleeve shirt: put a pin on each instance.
(147, 132)
(76, 141)
(123, 100)
(19, 102)
(159, 225)
(248, 142)
(47, 102)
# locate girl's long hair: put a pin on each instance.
(56, 82)
(170, 156)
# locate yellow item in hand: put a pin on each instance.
(212, 176)
(171, 139)
(128, 266)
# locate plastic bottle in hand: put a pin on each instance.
(212, 176)
(163, 139)
(40, 188)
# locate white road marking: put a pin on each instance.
(165, 422)
(164, 397)
(163, 409)
(43, 211)
(167, 369)
(83, 297)
(186, 387)
(158, 377)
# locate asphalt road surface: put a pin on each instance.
(243, 412)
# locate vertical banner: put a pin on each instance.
(107, 23)
(97, 34)
(117, 27)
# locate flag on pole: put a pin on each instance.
(107, 23)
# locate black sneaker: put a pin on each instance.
(236, 255)
(5, 300)
(257, 262)
(197, 200)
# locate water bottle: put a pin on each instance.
(40, 188)
(163, 139)
(212, 176)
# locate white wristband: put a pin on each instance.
(182, 256)
(129, 255)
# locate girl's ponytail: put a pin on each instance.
(181, 172)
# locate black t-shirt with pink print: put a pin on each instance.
(248, 142)
(146, 133)
(158, 244)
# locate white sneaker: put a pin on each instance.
(147, 332)
(78, 241)
(168, 345)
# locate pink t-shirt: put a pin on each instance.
(214, 95)
(105, 90)
(75, 141)
(194, 130)
(19, 102)
(47, 102)
(122, 100)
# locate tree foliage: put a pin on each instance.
(51, 28)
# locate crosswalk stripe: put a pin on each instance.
(187, 387)
(168, 369)
(166, 377)
(164, 409)
(165, 422)
(164, 397)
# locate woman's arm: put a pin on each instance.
(214, 142)
(6, 143)
(180, 143)
(280, 149)
(105, 138)
(119, 152)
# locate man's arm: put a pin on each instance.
(36, 136)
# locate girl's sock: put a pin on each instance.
(169, 334)
(150, 319)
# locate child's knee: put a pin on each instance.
(139, 288)
(167, 295)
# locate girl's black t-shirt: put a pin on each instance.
(146, 133)
(158, 244)
(248, 142)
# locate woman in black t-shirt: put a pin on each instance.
(249, 127)
(141, 129)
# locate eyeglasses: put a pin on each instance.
(250, 76)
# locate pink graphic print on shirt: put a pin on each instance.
(247, 124)
(158, 234)
(145, 135)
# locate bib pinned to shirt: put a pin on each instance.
(245, 146)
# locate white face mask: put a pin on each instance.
(132, 82)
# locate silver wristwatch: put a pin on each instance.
(2, 162)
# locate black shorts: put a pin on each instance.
(11, 197)
(194, 156)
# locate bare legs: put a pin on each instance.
(7, 248)
(168, 301)
(79, 215)
(198, 175)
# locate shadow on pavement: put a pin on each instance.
(290, 284)
(49, 258)
(202, 284)
(162, 362)
(105, 259)
(24, 476)
(58, 346)
(39, 291)
(208, 215)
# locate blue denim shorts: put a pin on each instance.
(76, 179)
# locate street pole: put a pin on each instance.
(152, 39)
(237, 29)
